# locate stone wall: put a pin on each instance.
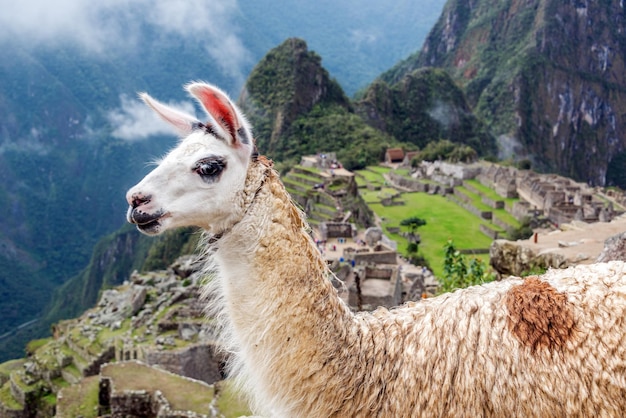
(490, 232)
(336, 230)
(414, 185)
(201, 361)
(495, 204)
(375, 257)
(379, 287)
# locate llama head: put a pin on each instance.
(198, 182)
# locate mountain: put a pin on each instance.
(546, 76)
(297, 109)
(359, 39)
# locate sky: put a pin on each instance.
(115, 25)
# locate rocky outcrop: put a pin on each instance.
(287, 83)
(156, 317)
(614, 249)
(547, 76)
(510, 258)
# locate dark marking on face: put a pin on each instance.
(209, 129)
(539, 316)
(243, 135)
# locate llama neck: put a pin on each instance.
(281, 309)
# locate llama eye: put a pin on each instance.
(209, 169)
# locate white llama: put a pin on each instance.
(536, 347)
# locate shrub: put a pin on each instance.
(458, 273)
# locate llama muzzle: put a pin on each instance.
(146, 221)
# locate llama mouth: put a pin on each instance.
(148, 223)
(150, 228)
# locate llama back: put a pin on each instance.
(519, 347)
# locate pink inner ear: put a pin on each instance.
(220, 109)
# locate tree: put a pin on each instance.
(414, 239)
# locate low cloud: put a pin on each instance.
(508, 147)
(361, 37)
(112, 25)
(444, 113)
(134, 121)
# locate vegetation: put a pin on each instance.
(81, 400)
(183, 394)
(412, 224)
(458, 272)
(445, 150)
(229, 400)
(424, 106)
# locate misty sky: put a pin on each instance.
(114, 26)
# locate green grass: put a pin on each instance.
(404, 172)
(476, 200)
(490, 193)
(10, 366)
(373, 177)
(445, 220)
(229, 402)
(379, 169)
(306, 179)
(182, 394)
(34, 345)
(375, 196)
(7, 399)
(80, 399)
(312, 170)
(505, 216)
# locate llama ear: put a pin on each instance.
(183, 123)
(222, 110)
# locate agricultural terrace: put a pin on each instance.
(444, 219)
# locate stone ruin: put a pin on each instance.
(372, 274)
(155, 318)
(556, 198)
(328, 230)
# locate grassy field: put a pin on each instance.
(490, 193)
(444, 220)
(183, 394)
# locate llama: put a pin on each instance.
(541, 346)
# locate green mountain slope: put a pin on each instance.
(424, 106)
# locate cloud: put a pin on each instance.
(134, 120)
(112, 25)
(509, 147)
(444, 113)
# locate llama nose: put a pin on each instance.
(138, 199)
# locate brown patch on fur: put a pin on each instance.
(539, 316)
